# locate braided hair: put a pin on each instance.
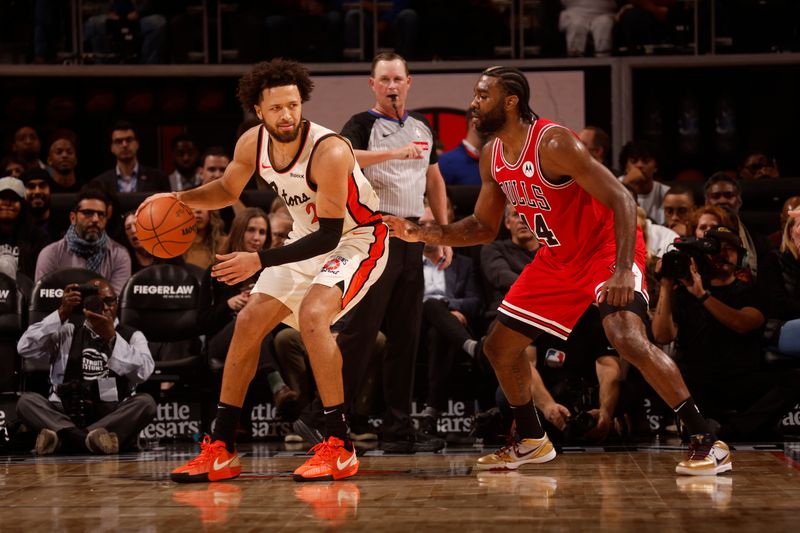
(514, 82)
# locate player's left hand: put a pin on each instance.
(617, 291)
(235, 267)
(403, 229)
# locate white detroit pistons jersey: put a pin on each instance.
(293, 184)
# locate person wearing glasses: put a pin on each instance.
(723, 191)
(128, 175)
(95, 366)
(86, 243)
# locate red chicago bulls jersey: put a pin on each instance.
(565, 218)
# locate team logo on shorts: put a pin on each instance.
(527, 169)
(333, 264)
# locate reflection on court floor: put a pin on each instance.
(583, 489)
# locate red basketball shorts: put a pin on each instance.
(551, 295)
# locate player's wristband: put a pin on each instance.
(325, 239)
(703, 297)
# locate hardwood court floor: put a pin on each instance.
(582, 490)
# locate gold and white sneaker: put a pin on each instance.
(706, 457)
(518, 453)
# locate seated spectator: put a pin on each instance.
(38, 188)
(397, 23)
(459, 166)
(128, 175)
(780, 282)
(308, 31)
(136, 33)
(26, 147)
(716, 320)
(583, 17)
(141, 258)
(280, 225)
(639, 159)
(723, 191)
(657, 238)
(597, 142)
(220, 303)
(209, 239)
(678, 206)
(63, 160)
(184, 154)
(776, 238)
(706, 217)
(12, 166)
(87, 245)
(758, 165)
(20, 241)
(451, 303)
(95, 367)
(213, 163)
(502, 261)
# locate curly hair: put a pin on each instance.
(278, 72)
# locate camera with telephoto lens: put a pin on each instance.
(90, 298)
(676, 264)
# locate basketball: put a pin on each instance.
(166, 227)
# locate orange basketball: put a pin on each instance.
(166, 227)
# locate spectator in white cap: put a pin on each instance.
(20, 241)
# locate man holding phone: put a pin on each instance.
(95, 367)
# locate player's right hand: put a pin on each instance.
(155, 197)
(403, 229)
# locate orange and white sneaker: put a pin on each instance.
(215, 463)
(331, 461)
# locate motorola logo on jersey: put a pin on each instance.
(527, 169)
(518, 194)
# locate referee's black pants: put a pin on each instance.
(394, 305)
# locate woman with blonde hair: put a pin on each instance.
(209, 239)
(780, 281)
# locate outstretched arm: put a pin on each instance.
(561, 154)
(478, 228)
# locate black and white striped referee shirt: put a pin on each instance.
(400, 183)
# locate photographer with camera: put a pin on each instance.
(94, 369)
(717, 319)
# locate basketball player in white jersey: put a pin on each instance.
(337, 248)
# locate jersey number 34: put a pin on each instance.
(541, 230)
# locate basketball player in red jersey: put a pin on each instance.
(592, 252)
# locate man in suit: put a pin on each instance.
(451, 302)
(128, 175)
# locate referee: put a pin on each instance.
(395, 148)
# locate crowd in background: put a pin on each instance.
(732, 321)
(158, 31)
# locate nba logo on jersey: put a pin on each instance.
(527, 169)
(555, 358)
